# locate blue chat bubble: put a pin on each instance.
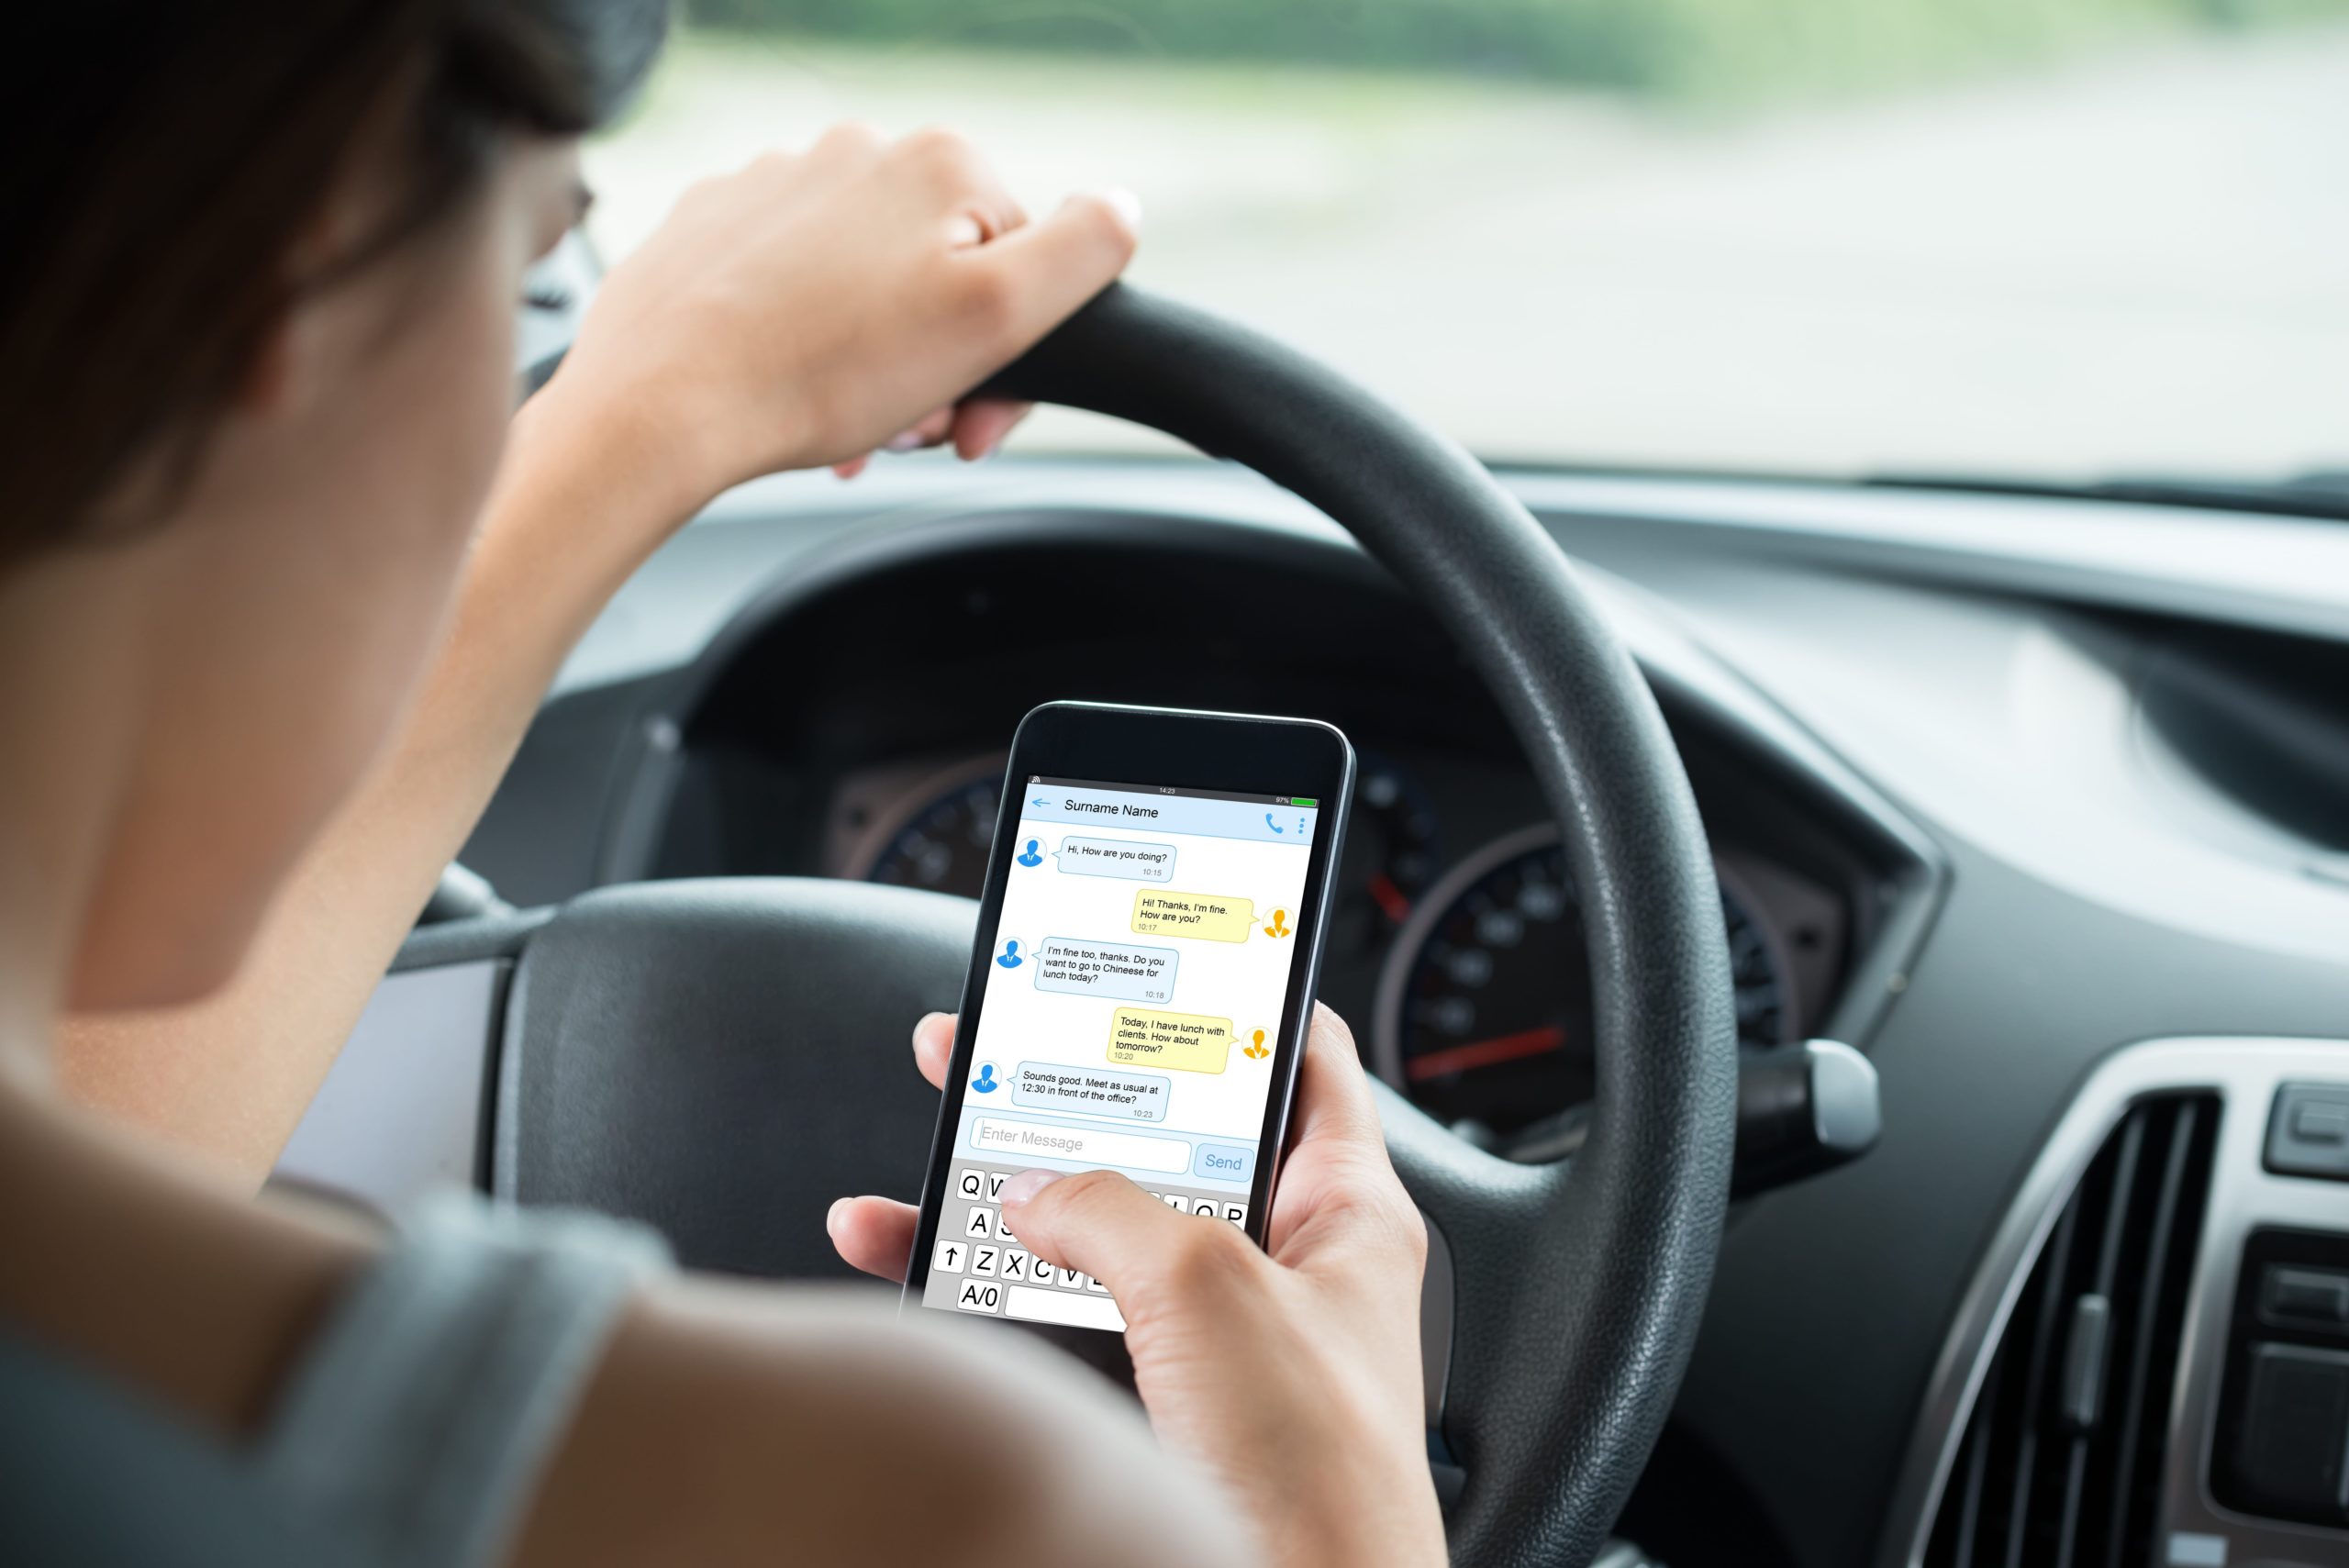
(1119, 969)
(1096, 1091)
(1128, 859)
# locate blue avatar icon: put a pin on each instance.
(985, 1083)
(1009, 957)
(1029, 857)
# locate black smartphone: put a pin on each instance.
(1149, 940)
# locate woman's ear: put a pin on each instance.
(267, 385)
(319, 280)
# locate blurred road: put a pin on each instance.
(2136, 263)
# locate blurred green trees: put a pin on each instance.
(1695, 48)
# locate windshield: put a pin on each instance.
(2041, 240)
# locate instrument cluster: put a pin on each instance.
(1456, 944)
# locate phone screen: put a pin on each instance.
(1131, 1022)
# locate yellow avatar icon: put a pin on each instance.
(1257, 1049)
(1279, 928)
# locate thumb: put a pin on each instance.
(1044, 271)
(1101, 1224)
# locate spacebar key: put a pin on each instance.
(1055, 1306)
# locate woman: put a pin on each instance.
(280, 585)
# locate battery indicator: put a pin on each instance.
(1303, 800)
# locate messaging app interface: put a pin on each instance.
(1129, 1022)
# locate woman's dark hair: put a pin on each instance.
(160, 162)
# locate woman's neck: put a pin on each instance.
(71, 706)
(114, 1253)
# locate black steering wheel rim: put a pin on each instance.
(1556, 1400)
(653, 1032)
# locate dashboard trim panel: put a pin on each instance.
(2245, 1073)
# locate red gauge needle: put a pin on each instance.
(1484, 1052)
(1390, 897)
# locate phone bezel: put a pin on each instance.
(1179, 749)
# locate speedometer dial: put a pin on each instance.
(1485, 1008)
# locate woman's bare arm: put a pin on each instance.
(728, 1422)
(229, 1077)
(798, 312)
(733, 1425)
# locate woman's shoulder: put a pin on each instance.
(730, 1416)
(76, 1443)
(489, 1384)
(410, 1425)
(423, 1412)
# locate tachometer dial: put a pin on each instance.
(1392, 852)
(1485, 1010)
(941, 840)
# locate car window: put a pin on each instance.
(2034, 240)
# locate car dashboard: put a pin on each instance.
(1453, 893)
(2036, 801)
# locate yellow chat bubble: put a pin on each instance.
(1188, 1042)
(1203, 915)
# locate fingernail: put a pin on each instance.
(1128, 206)
(1027, 1184)
(904, 442)
(926, 1019)
(832, 1216)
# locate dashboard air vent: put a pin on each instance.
(2061, 1466)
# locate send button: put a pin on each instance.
(1224, 1161)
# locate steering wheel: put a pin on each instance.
(722, 1058)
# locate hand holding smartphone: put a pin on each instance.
(1148, 942)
